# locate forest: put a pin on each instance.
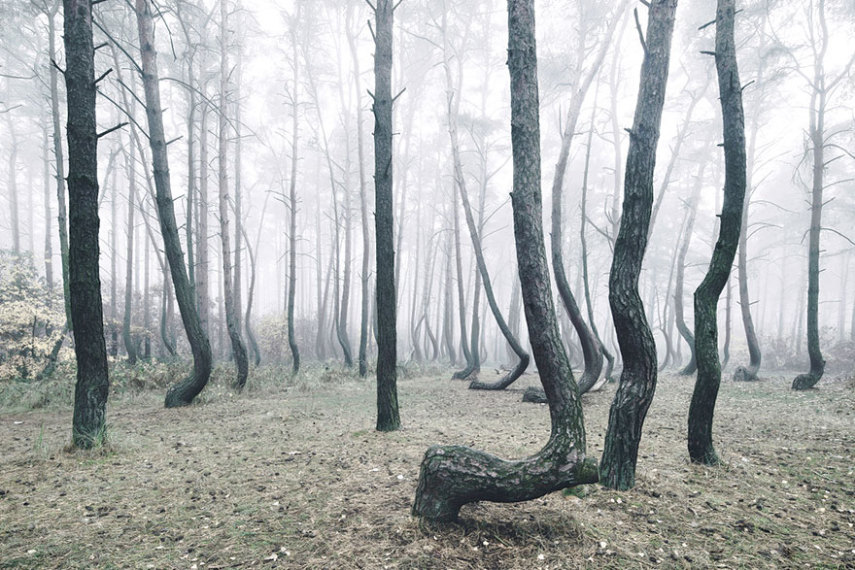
(427, 284)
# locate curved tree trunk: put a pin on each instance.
(707, 294)
(638, 349)
(388, 418)
(452, 476)
(292, 196)
(685, 332)
(818, 141)
(90, 392)
(250, 294)
(181, 394)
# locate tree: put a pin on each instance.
(707, 294)
(821, 89)
(388, 418)
(90, 393)
(638, 349)
(452, 476)
(292, 195)
(181, 394)
(229, 292)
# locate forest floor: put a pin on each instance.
(292, 475)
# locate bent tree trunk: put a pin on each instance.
(388, 418)
(637, 347)
(819, 94)
(90, 392)
(685, 332)
(452, 476)
(181, 394)
(707, 294)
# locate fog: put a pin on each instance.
(438, 40)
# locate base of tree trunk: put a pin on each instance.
(806, 381)
(505, 381)
(745, 374)
(465, 373)
(535, 395)
(452, 476)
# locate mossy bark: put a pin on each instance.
(452, 476)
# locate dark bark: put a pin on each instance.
(702, 408)
(292, 232)
(452, 476)
(691, 214)
(638, 349)
(728, 324)
(388, 418)
(181, 394)
(818, 141)
(250, 294)
(90, 392)
(230, 272)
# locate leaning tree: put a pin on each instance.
(181, 394)
(452, 476)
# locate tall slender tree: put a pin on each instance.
(388, 418)
(90, 393)
(707, 294)
(637, 347)
(184, 392)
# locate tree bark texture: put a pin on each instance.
(702, 408)
(388, 418)
(638, 349)
(452, 476)
(127, 338)
(90, 392)
(181, 394)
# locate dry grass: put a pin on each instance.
(291, 474)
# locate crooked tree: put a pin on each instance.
(181, 394)
(707, 294)
(637, 347)
(452, 476)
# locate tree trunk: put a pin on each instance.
(638, 349)
(388, 418)
(201, 273)
(48, 246)
(229, 297)
(452, 476)
(365, 278)
(90, 393)
(130, 346)
(728, 323)
(59, 158)
(707, 294)
(691, 214)
(292, 199)
(818, 141)
(181, 394)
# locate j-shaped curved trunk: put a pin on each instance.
(452, 476)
